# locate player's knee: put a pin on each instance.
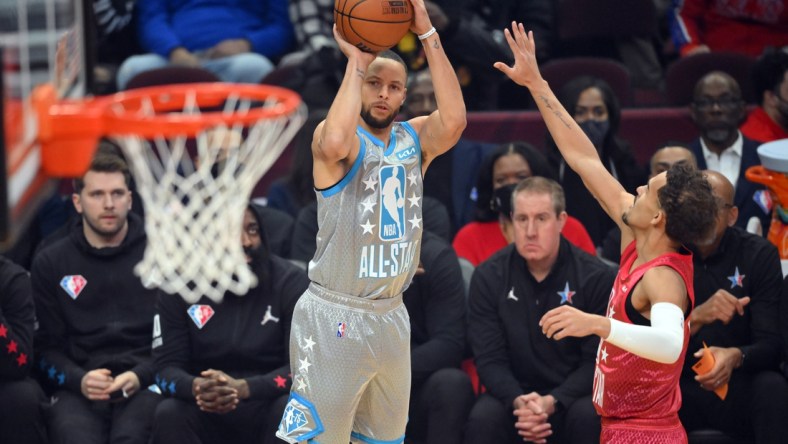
(21, 399)
(450, 384)
(771, 388)
(169, 413)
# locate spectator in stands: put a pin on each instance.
(537, 15)
(297, 188)
(196, 33)
(473, 41)
(115, 40)
(458, 167)
(21, 419)
(737, 289)
(769, 121)
(499, 173)
(665, 157)
(595, 108)
(546, 383)
(223, 367)
(441, 393)
(95, 317)
(717, 110)
(744, 26)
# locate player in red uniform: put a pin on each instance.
(646, 330)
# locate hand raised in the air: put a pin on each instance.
(525, 71)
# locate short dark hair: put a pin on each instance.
(689, 205)
(391, 55)
(769, 70)
(542, 185)
(104, 162)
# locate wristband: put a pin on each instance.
(427, 34)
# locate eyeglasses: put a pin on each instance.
(725, 103)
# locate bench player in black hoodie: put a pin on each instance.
(20, 396)
(224, 367)
(95, 317)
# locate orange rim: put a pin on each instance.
(172, 98)
(69, 130)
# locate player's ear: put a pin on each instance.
(659, 218)
(75, 199)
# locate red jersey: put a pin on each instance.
(634, 394)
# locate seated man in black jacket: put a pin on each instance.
(95, 317)
(546, 383)
(224, 366)
(737, 284)
(20, 410)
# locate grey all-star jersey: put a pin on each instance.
(370, 224)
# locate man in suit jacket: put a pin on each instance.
(717, 109)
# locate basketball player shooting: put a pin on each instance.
(350, 337)
(645, 333)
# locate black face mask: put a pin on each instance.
(501, 201)
(596, 131)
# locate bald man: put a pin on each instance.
(737, 281)
(717, 110)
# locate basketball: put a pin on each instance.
(373, 25)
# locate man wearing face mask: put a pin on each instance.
(595, 108)
(717, 109)
(492, 229)
(223, 368)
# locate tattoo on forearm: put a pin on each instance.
(435, 44)
(557, 112)
(360, 72)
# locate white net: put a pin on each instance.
(195, 191)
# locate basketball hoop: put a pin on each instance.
(196, 151)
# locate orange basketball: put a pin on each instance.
(373, 25)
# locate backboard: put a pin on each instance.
(41, 41)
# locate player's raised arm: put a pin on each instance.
(574, 145)
(442, 129)
(335, 143)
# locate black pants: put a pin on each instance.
(251, 422)
(21, 412)
(756, 407)
(492, 422)
(75, 419)
(439, 408)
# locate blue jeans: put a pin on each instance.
(248, 67)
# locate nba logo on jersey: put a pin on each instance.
(73, 285)
(392, 197)
(341, 327)
(200, 314)
(294, 419)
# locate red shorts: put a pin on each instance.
(642, 431)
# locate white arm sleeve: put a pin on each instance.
(661, 342)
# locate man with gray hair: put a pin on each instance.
(547, 383)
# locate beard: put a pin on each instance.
(256, 254)
(106, 233)
(366, 115)
(625, 218)
(720, 135)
